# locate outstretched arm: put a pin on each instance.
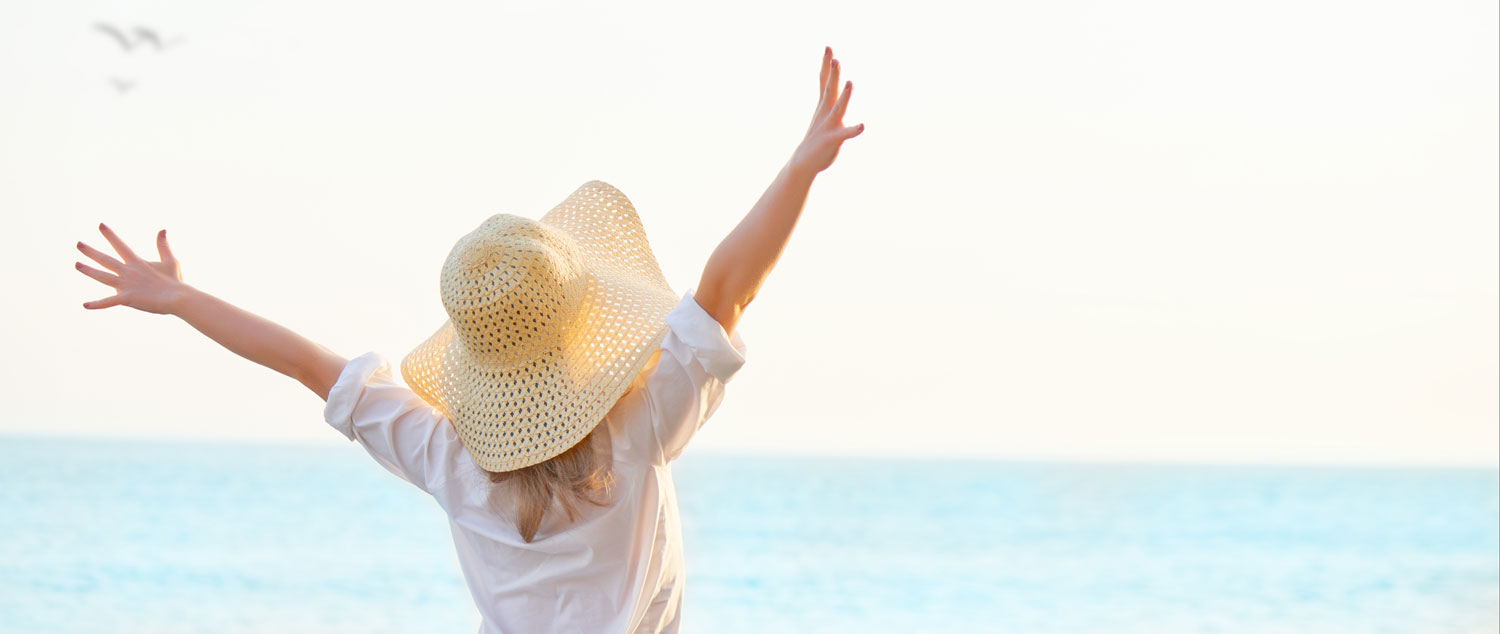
(744, 259)
(157, 287)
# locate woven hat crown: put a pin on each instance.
(513, 288)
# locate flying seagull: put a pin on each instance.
(122, 86)
(141, 34)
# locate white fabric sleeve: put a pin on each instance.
(400, 430)
(687, 385)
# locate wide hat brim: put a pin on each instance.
(514, 415)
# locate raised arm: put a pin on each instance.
(744, 259)
(157, 287)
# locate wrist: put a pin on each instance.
(798, 173)
(179, 298)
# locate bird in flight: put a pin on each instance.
(139, 35)
(121, 85)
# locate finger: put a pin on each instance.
(112, 300)
(163, 249)
(830, 88)
(112, 280)
(852, 131)
(102, 258)
(843, 104)
(124, 251)
(823, 73)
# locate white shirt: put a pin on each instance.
(618, 568)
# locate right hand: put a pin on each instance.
(827, 132)
(153, 287)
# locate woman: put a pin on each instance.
(543, 416)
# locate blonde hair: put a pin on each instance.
(572, 478)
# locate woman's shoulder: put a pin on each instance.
(632, 441)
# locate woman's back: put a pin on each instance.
(616, 567)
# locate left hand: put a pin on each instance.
(827, 132)
(152, 287)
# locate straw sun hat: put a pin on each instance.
(550, 321)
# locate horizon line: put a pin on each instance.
(1082, 461)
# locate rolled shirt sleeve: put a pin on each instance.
(698, 359)
(400, 430)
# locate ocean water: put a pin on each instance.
(110, 536)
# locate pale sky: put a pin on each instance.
(1157, 230)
